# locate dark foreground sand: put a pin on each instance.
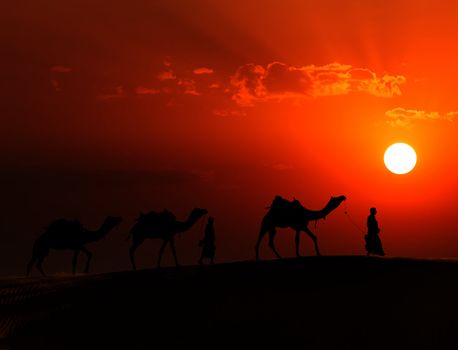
(349, 302)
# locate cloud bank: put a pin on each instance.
(401, 117)
(254, 83)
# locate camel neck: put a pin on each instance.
(93, 236)
(321, 214)
(186, 225)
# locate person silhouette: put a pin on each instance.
(373, 242)
(208, 242)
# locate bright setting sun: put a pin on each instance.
(400, 158)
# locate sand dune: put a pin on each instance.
(349, 302)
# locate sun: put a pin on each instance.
(400, 158)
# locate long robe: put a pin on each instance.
(373, 242)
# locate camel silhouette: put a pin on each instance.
(63, 234)
(283, 213)
(161, 225)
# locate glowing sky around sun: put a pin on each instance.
(114, 107)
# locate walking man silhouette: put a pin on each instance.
(373, 242)
(208, 242)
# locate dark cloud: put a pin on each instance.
(253, 83)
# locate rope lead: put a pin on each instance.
(351, 220)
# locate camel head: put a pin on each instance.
(334, 202)
(110, 223)
(197, 213)
(194, 216)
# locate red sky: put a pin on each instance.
(116, 107)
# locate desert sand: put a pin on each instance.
(334, 302)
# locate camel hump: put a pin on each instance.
(281, 204)
(155, 217)
(284, 207)
(65, 225)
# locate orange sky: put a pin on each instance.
(115, 107)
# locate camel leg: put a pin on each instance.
(39, 265)
(30, 264)
(272, 242)
(262, 233)
(172, 246)
(89, 257)
(136, 242)
(39, 253)
(161, 251)
(74, 261)
(298, 242)
(315, 241)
